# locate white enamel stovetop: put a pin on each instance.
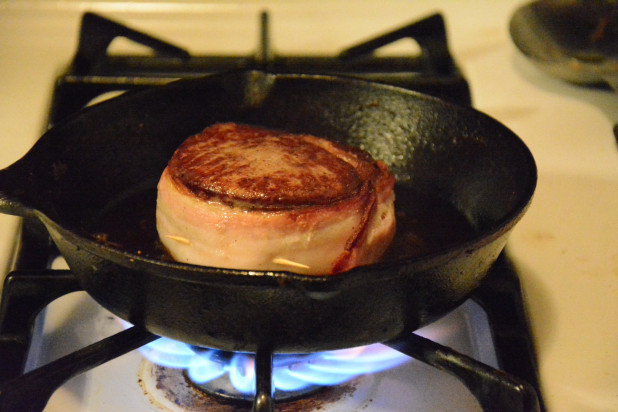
(566, 247)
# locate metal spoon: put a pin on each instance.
(575, 40)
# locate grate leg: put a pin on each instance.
(495, 390)
(31, 392)
(263, 388)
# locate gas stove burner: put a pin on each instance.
(232, 375)
(26, 292)
(222, 388)
(171, 389)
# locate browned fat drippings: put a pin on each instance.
(269, 169)
(424, 225)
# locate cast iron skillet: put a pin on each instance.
(114, 149)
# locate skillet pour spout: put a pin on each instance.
(107, 153)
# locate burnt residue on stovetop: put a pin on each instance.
(170, 389)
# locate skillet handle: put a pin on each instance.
(12, 194)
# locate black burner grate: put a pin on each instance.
(27, 292)
(94, 71)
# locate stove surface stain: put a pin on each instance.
(169, 389)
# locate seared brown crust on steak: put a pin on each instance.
(269, 169)
(245, 197)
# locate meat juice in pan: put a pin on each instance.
(424, 225)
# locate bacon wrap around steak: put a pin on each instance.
(244, 197)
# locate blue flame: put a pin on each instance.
(168, 352)
(290, 372)
(203, 368)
